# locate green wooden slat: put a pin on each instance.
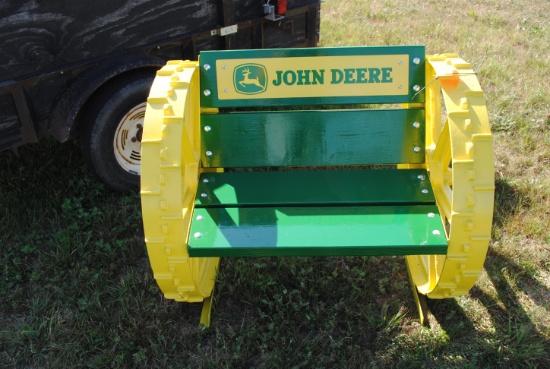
(310, 138)
(313, 187)
(210, 55)
(317, 231)
(208, 75)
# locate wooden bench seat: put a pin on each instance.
(320, 213)
(317, 231)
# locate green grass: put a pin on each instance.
(76, 288)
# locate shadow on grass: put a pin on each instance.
(516, 341)
(40, 171)
(508, 201)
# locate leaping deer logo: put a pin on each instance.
(250, 79)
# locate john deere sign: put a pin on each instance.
(371, 75)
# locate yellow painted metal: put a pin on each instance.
(461, 168)
(420, 300)
(411, 166)
(206, 311)
(169, 179)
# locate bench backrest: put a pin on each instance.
(257, 80)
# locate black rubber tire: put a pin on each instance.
(101, 120)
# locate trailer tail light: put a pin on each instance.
(281, 7)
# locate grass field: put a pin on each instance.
(76, 288)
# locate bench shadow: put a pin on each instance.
(258, 225)
(508, 200)
(267, 227)
(517, 341)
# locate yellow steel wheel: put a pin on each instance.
(460, 164)
(169, 177)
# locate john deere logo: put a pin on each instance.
(250, 79)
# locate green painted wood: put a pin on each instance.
(314, 187)
(317, 231)
(208, 77)
(312, 138)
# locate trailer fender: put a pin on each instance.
(75, 96)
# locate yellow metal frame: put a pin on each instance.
(169, 179)
(461, 168)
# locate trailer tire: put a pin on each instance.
(113, 124)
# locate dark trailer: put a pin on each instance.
(83, 69)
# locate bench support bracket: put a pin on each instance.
(420, 300)
(206, 310)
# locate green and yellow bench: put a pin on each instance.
(359, 151)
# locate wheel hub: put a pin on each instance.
(127, 139)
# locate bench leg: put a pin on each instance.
(206, 310)
(420, 300)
